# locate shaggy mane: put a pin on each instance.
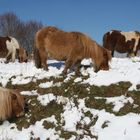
(5, 103)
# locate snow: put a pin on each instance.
(124, 127)
(120, 128)
(78, 80)
(30, 93)
(49, 84)
(71, 116)
(45, 99)
(46, 85)
(122, 69)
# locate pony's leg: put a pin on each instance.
(13, 55)
(77, 64)
(96, 65)
(68, 64)
(112, 53)
(8, 57)
(72, 59)
(37, 58)
(43, 58)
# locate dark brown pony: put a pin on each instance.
(122, 42)
(9, 47)
(71, 47)
(3, 48)
(11, 104)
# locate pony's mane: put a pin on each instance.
(5, 103)
(93, 49)
(90, 46)
(5, 107)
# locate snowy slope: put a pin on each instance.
(119, 127)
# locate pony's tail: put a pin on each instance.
(37, 58)
(105, 40)
(36, 53)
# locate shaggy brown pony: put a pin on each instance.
(22, 55)
(71, 47)
(11, 104)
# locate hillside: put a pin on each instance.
(96, 106)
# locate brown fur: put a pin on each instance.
(71, 47)
(116, 41)
(3, 48)
(11, 104)
(22, 55)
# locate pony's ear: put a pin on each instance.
(13, 96)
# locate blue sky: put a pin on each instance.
(92, 17)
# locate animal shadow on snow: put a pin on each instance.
(58, 65)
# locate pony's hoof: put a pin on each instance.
(78, 74)
(64, 72)
(96, 71)
(6, 62)
(45, 68)
(1, 122)
(63, 75)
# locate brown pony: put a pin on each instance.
(122, 42)
(11, 104)
(71, 47)
(22, 55)
(9, 46)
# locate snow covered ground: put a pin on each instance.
(126, 127)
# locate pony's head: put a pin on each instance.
(12, 104)
(17, 102)
(22, 55)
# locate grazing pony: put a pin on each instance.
(11, 104)
(22, 55)
(71, 47)
(9, 47)
(122, 42)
